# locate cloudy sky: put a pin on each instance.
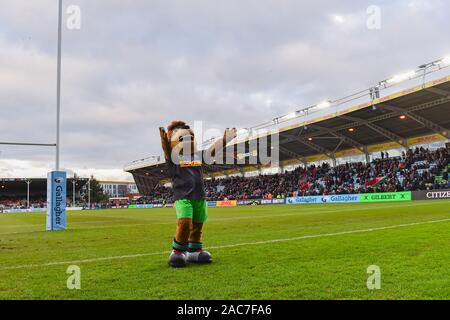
(134, 65)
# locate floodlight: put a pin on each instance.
(446, 60)
(290, 116)
(323, 105)
(401, 77)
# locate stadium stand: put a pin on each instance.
(13, 192)
(416, 169)
(398, 121)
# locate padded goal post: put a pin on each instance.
(56, 200)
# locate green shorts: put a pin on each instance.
(197, 210)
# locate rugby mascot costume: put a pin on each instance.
(184, 166)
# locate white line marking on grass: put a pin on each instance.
(331, 234)
(313, 236)
(56, 263)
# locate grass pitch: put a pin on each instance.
(260, 252)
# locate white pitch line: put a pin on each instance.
(138, 255)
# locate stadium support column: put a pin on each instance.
(89, 193)
(366, 153)
(73, 191)
(405, 145)
(28, 182)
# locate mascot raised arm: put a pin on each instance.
(184, 164)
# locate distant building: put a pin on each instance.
(118, 189)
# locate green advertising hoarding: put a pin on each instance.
(386, 196)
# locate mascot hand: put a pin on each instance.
(165, 142)
(163, 134)
(230, 134)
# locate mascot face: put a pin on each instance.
(182, 139)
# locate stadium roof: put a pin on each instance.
(413, 116)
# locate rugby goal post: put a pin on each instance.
(56, 180)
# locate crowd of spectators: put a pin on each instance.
(415, 169)
(14, 203)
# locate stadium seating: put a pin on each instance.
(418, 169)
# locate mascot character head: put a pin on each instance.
(182, 138)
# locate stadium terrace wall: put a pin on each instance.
(342, 198)
(36, 210)
(431, 195)
(324, 199)
(386, 196)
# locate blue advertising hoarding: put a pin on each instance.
(304, 200)
(56, 200)
(144, 206)
(341, 198)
